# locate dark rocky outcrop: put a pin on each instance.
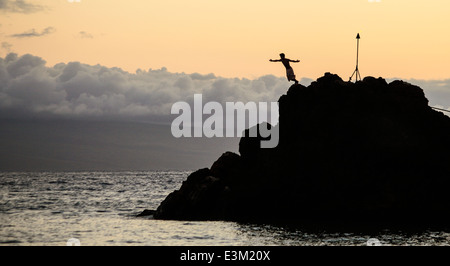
(349, 152)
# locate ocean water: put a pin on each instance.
(100, 208)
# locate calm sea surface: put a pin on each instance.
(100, 208)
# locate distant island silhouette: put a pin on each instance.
(349, 153)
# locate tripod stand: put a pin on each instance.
(356, 72)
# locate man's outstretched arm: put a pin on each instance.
(276, 60)
(294, 61)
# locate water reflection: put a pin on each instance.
(99, 208)
(291, 236)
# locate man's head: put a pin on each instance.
(282, 55)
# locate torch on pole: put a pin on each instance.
(356, 72)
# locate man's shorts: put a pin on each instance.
(290, 74)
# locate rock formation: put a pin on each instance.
(349, 152)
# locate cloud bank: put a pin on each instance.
(29, 88)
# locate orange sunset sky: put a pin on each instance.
(236, 38)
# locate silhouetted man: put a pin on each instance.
(289, 71)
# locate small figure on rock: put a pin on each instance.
(289, 71)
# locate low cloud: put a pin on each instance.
(29, 88)
(19, 6)
(34, 33)
(74, 90)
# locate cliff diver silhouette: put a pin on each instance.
(289, 71)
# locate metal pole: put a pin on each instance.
(357, 54)
(357, 60)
